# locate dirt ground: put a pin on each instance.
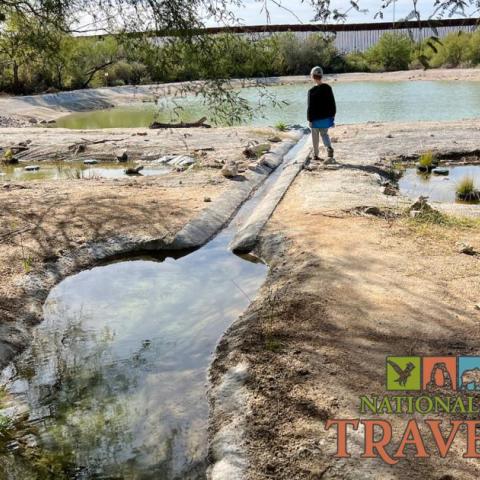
(345, 290)
(41, 222)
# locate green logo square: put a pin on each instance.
(404, 373)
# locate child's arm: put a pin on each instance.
(309, 107)
(334, 105)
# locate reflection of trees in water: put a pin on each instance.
(83, 402)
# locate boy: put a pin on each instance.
(321, 113)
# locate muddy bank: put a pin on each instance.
(49, 230)
(33, 109)
(352, 279)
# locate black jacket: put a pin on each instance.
(321, 103)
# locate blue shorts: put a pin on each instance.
(324, 123)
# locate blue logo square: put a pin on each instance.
(469, 373)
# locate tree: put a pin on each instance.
(23, 43)
(88, 57)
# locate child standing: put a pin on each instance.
(321, 113)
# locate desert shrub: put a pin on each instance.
(453, 51)
(357, 62)
(301, 55)
(392, 52)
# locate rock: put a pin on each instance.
(122, 156)
(375, 211)
(11, 161)
(256, 151)
(477, 306)
(182, 161)
(425, 169)
(389, 189)
(421, 205)
(90, 161)
(274, 139)
(252, 166)
(207, 199)
(80, 148)
(440, 171)
(164, 159)
(466, 248)
(32, 168)
(177, 160)
(269, 161)
(134, 170)
(230, 170)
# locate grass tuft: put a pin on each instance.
(431, 222)
(426, 159)
(273, 345)
(465, 187)
(280, 126)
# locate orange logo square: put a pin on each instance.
(439, 372)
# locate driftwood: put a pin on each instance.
(199, 123)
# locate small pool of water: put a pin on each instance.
(357, 102)
(437, 188)
(73, 170)
(114, 383)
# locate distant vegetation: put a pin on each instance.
(35, 57)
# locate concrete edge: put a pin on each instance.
(212, 219)
(247, 236)
(227, 455)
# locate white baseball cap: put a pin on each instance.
(317, 72)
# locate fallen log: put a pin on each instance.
(198, 124)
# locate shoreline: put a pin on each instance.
(49, 107)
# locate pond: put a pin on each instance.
(437, 188)
(114, 383)
(357, 102)
(73, 170)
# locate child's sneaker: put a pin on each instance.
(330, 152)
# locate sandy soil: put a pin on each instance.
(345, 290)
(344, 294)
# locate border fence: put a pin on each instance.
(358, 37)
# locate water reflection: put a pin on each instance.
(437, 188)
(73, 170)
(357, 102)
(114, 379)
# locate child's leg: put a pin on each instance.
(315, 141)
(325, 137)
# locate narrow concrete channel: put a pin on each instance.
(114, 382)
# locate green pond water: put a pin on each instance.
(357, 102)
(72, 170)
(113, 385)
(437, 188)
